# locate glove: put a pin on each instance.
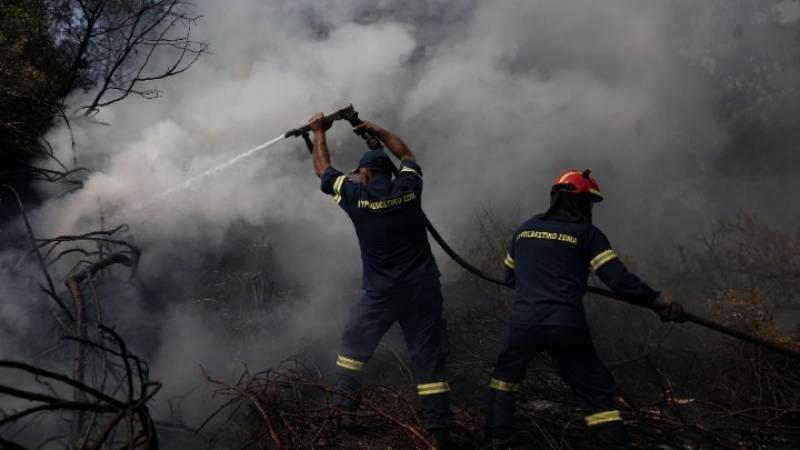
(668, 310)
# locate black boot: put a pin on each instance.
(613, 435)
(499, 415)
(441, 438)
(346, 393)
(491, 442)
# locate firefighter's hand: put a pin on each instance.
(667, 309)
(368, 127)
(318, 124)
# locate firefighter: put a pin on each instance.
(548, 264)
(400, 276)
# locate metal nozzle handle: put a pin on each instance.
(343, 113)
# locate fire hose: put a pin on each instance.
(349, 114)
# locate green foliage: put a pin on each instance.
(22, 36)
(31, 67)
(49, 48)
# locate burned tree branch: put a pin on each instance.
(50, 289)
(117, 46)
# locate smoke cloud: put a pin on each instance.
(495, 97)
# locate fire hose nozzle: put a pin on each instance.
(344, 113)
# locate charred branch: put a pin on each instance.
(127, 44)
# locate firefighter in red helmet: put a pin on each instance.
(551, 257)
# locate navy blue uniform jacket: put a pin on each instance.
(549, 264)
(387, 215)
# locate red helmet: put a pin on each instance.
(577, 182)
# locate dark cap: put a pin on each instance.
(376, 160)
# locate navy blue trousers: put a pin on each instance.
(578, 364)
(418, 309)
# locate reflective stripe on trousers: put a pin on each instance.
(439, 387)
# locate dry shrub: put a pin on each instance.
(746, 254)
(744, 309)
(753, 382)
(751, 312)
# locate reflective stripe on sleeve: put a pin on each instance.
(409, 169)
(433, 388)
(603, 417)
(337, 188)
(602, 258)
(350, 364)
(509, 262)
(501, 385)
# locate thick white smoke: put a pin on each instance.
(495, 97)
(496, 102)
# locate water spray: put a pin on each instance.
(348, 113)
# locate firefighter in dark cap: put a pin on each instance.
(549, 262)
(400, 276)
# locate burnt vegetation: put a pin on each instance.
(681, 386)
(48, 50)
